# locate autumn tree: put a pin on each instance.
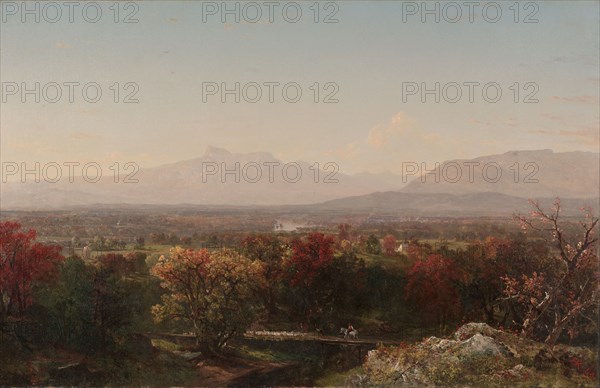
(99, 243)
(115, 262)
(549, 303)
(140, 241)
(319, 282)
(132, 262)
(432, 289)
(344, 232)
(172, 239)
(484, 263)
(22, 263)
(214, 292)
(186, 241)
(158, 238)
(345, 241)
(389, 245)
(75, 241)
(417, 250)
(306, 272)
(270, 251)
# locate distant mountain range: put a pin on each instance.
(485, 185)
(210, 179)
(396, 203)
(525, 174)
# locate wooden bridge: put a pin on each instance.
(359, 346)
(334, 340)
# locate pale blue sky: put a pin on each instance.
(369, 54)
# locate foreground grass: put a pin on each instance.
(134, 363)
(338, 379)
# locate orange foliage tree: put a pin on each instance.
(214, 292)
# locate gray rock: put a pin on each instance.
(470, 329)
(482, 345)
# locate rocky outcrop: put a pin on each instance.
(476, 355)
(469, 329)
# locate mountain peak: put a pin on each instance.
(530, 152)
(216, 152)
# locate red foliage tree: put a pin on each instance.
(186, 241)
(432, 289)
(389, 245)
(417, 251)
(312, 276)
(484, 263)
(22, 262)
(309, 256)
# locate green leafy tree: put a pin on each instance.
(373, 246)
(140, 241)
(70, 308)
(89, 308)
(270, 251)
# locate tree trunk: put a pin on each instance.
(558, 328)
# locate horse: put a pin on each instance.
(353, 334)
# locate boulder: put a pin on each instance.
(470, 329)
(480, 345)
(445, 344)
(188, 356)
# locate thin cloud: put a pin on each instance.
(583, 99)
(346, 152)
(381, 135)
(542, 132)
(584, 133)
(554, 118)
(509, 122)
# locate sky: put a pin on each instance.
(367, 65)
